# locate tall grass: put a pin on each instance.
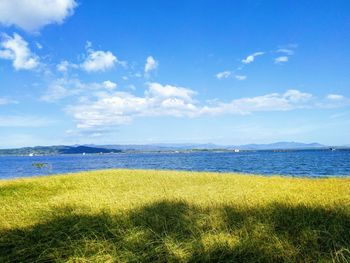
(163, 216)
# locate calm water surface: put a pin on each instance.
(311, 163)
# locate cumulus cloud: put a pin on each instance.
(16, 49)
(223, 75)
(167, 91)
(151, 64)
(249, 59)
(109, 85)
(95, 60)
(281, 59)
(31, 15)
(123, 107)
(240, 77)
(165, 100)
(99, 61)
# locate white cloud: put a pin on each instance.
(64, 66)
(291, 99)
(99, 106)
(99, 61)
(62, 88)
(95, 60)
(335, 97)
(285, 53)
(241, 77)
(281, 59)
(223, 75)
(109, 85)
(166, 100)
(226, 74)
(122, 107)
(16, 49)
(296, 96)
(31, 15)
(249, 59)
(151, 64)
(167, 91)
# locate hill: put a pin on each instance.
(54, 150)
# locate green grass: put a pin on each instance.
(163, 216)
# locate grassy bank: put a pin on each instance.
(162, 216)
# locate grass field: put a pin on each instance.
(163, 216)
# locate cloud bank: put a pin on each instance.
(116, 108)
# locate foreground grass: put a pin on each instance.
(163, 216)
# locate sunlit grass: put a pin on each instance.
(162, 216)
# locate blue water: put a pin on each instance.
(311, 163)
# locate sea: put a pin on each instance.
(292, 163)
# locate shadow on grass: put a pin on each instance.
(174, 231)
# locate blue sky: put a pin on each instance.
(122, 72)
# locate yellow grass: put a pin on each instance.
(161, 216)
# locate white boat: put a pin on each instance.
(31, 154)
(236, 151)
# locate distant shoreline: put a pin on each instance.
(51, 151)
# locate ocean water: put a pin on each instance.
(307, 163)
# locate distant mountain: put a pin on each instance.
(211, 146)
(53, 150)
(158, 147)
(79, 149)
(85, 149)
(280, 145)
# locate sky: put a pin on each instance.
(145, 72)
